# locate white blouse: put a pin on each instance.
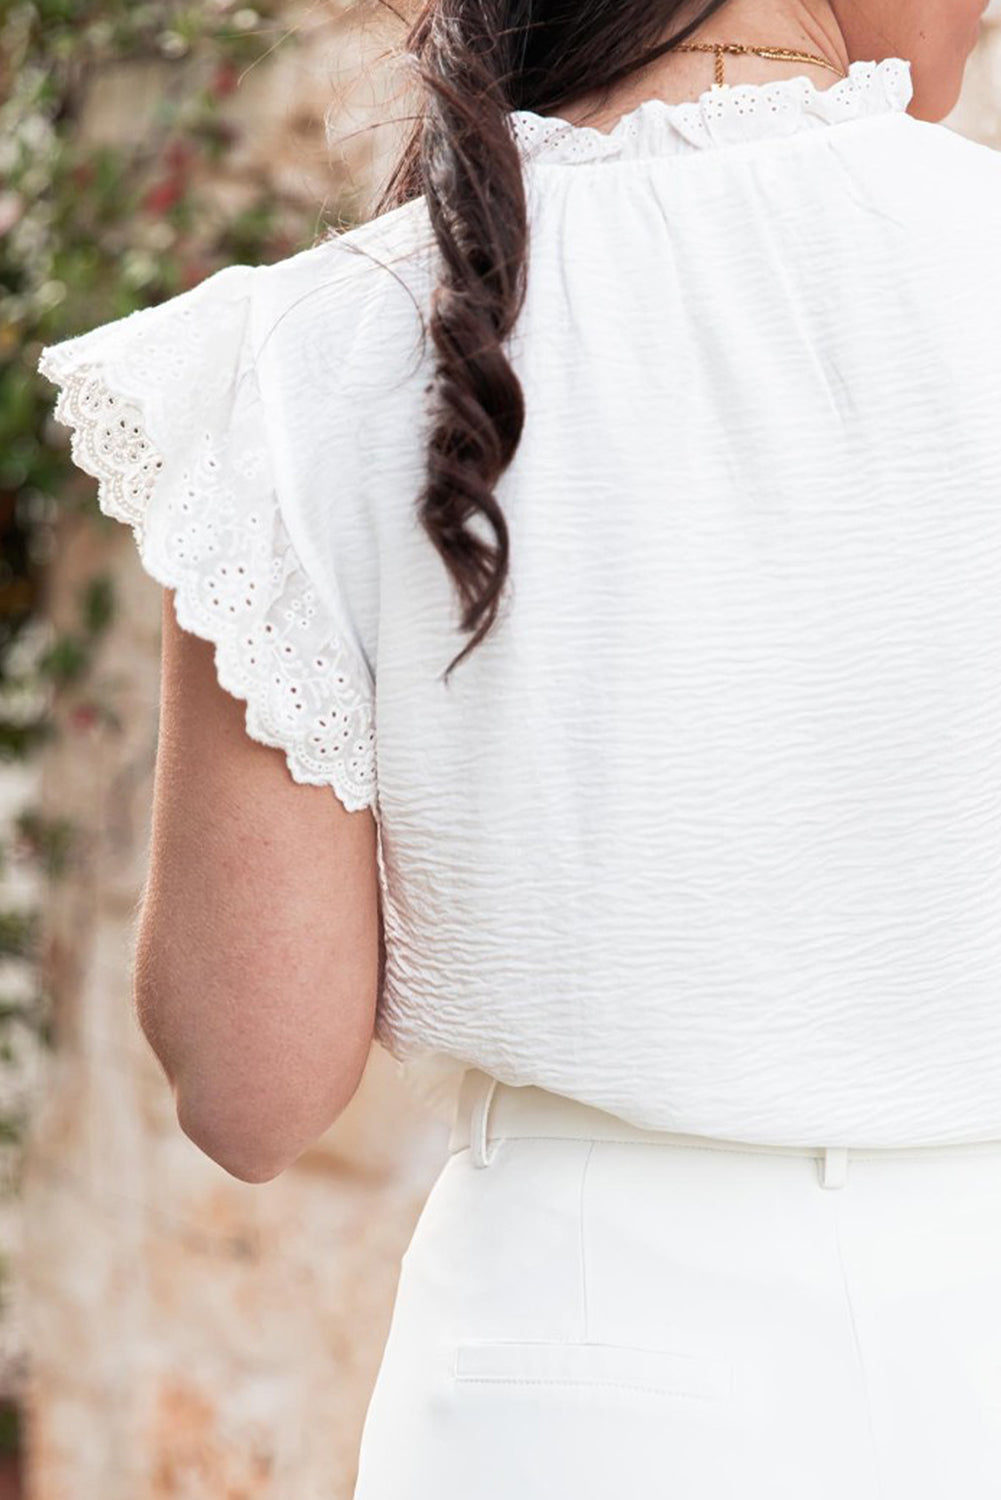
(707, 831)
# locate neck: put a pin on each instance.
(805, 25)
(802, 25)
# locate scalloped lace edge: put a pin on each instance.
(355, 789)
(880, 87)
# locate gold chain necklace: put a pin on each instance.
(777, 54)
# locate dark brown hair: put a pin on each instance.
(476, 60)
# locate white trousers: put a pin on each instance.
(591, 1312)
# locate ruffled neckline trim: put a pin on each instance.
(723, 115)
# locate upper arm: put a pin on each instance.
(258, 956)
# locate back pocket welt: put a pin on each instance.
(549, 1362)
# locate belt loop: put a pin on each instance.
(478, 1122)
(834, 1167)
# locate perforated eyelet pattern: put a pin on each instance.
(723, 115)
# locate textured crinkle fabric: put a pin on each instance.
(705, 832)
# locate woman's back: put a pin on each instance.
(704, 832)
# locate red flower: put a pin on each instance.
(83, 716)
(179, 155)
(162, 197)
(225, 79)
(192, 272)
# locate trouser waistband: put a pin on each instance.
(488, 1110)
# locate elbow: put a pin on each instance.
(246, 1153)
(255, 1134)
(248, 1113)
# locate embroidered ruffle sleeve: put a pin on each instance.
(166, 412)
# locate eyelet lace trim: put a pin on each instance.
(720, 116)
(207, 525)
